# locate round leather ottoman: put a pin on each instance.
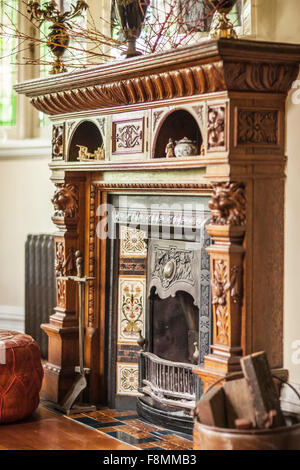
(21, 375)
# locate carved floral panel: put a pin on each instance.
(257, 127)
(132, 242)
(127, 379)
(216, 128)
(58, 137)
(131, 308)
(128, 137)
(64, 262)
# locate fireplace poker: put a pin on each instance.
(68, 404)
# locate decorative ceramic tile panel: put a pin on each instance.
(131, 308)
(132, 242)
(127, 379)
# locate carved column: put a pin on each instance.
(62, 329)
(227, 229)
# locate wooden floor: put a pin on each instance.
(46, 430)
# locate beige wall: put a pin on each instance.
(25, 207)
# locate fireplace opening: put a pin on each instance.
(175, 327)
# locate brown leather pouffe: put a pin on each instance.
(21, 375)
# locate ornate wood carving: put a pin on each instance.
(216, 128)
(128, 137)
(156, 118)
(58, 138)
(263, 73)
(258, 127)
(190, 81)
(199, 111)
(228, 204)
(66, 201)
(61, 293)
(64, 265)
(224, 284)
(101, 122)
(92, 247)
(261, 76)
(205, 188)
(70, 125)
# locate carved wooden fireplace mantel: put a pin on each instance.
(229, 97)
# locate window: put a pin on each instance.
(173, 23)
(8, 70)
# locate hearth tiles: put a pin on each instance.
(127, 379)
(132, 243)
(129, 428)
(131, 308)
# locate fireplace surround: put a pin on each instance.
(235, 95)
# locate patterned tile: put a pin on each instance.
(127, 427)
(131, 308)
(143, 426)
(132, 242)
(115, 413)
(123, 436)
(127, 379)
(94, 423)
(128, 417)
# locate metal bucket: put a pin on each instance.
(211, 438)
(283, 438)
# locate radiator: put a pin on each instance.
(39, 286)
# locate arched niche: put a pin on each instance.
(87, 134)
(177, 125)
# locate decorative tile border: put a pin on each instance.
(131, 308)
(127, 379)
(132, 242)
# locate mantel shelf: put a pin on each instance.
(155, 164)
(207, 67)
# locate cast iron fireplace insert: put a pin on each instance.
(177, 326)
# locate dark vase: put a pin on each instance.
(58, 41)
(221, 25)
(223, 6)
(131, 14)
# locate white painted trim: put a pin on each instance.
(25, 149)
(12, 318)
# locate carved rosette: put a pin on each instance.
(66, 201)
(258, 127)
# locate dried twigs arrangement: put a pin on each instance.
(168, 24)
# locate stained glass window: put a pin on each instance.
(8, 67)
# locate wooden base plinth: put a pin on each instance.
(63, 357)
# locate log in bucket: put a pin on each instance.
(281, 438)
